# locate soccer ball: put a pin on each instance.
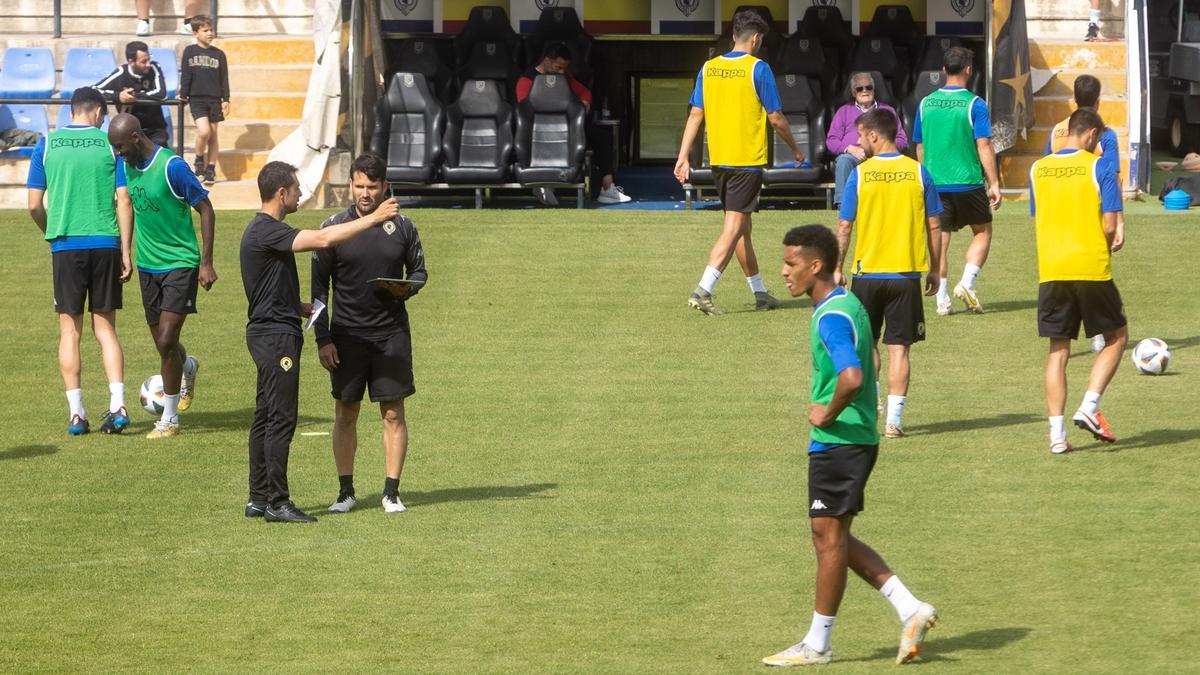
(1151, 356)
(151, 395)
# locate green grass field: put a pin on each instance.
(601, 480)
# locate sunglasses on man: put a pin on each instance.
(865, 87)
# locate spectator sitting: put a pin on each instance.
(843, 133)
(139, 78)
(556, 59)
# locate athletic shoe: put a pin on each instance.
(1060, 447)
(545, 196)
(345, 502)
(163, 430)
(799, 655)
(115, 422)
(969, 299)
(78, 426)
(879, 405)
(704, 303)
(187, 385)
(210, 174)
(255, 509)
(765, 301)
(143, 28)
(945, 308)
(1096, 425)
(893, 431)
(186, 29)
(912, 638)
(615, 194)
(1098, 343)
(198, 166)
(287, 513)
(1093, 32)
(392, 504)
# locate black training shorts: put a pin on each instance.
(896, 302)
(94, 274)
(963, 209)
(837, 479)
(171, 291)
(206, 107)
(1062, 305)
(385, 365)
(738, 189)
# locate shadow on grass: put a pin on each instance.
(937, 650)
(231, 420)
(1181, 343)
(27, 451)
(1006, 306)
(1003, 420)
(1150, 439)
(413, 499)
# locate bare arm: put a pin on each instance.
(37, 208)
(309, 240)
(849, 383)
(683, 166)
(843, 239)
(125, 223)
(1110, 227)
(933, 242)
(780, 124)
(208, 223)
(987, 158)
(921, 153)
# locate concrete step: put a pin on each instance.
(235, 194)
(1050, 110)
(1074, 28)
(282, 79)
(226, 8)
(1056, 53)
(1112, 82)
(264, 106)
(1014, 168)
(239, 165)
(268, 50)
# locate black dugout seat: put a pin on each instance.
(803, 55)
(561, 24)
(895, 22)
(492, 61)
(772, 43)
(925, 84)
(877, 54)
(827, 25)
(419, 55)
(408, 130)
(805, 114)
(550, 143)
(478, 142)
(487, 23)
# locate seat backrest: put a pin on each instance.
(27, 117)
(414, 114)
(803, 55)
(561, 24)
(420, 55)
(804, 113)
(489, 61)
(934, 51)
(925, 83)
(895, 22)
(487, 23)
(85, 66)
(550, 124)
(773, 41)
(827, 25)
(479, 126)
(878, 54)
(165, 58)
(27, 72)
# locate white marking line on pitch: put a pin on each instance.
(314, 433)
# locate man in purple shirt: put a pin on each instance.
(842, 139)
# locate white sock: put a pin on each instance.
(170, 411)
(1091, 403)
(75, 401)
(1057, 431)
(902, 599)
(756, 284)
(895, 409)
(709, 280)
(819, 632)
(969, 273)
(943, 295)
(116, 396)
(1094, 17)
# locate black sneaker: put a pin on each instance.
(1093, 32)
(210, 174)
(287, 513)
(255, 509)
(115, 422)
(198, 166)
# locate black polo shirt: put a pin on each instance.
(269, 277)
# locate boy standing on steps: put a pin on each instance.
(204, 85)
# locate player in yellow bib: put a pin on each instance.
(735, 97)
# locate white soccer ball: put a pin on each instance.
(1151, 356)
(151, 395)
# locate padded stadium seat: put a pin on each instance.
(492, 61)
(27, 72)
(883, 93)
(479, 139)
(165, 57)
(561, 24)
(934, 51)
(487, 23)
(408, 130)
(806, 116)
(895, 22)
(28, 117)
(925, 84)
(827, 25)
(803, 55)
(772, 43)
(877, 54)
(419, 55)
(550, 143)
(702, 171)
(84, 67)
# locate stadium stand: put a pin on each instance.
(27, 72)
(409, 123)
(85, 66)
(27, 117)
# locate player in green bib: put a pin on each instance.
(170, 265)
(842, 450)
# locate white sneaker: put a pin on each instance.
(969, 298)
(945, 307)
(393, 504)
(799, 655)
(912, 638)
(615, 194)
(1060, 447)
(186, 29)
(343, 505)
(143, 28)
(1098, 344)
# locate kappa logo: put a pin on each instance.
(285, 363)
(75, 143)
(141, 200)
(817, 505)
(1059, 171)
(687, 7)
(406, 6)
(888, 176)
(963, 7)
(945, 102)
(723, 73)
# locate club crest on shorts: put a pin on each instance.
(389, 227)
(406, 6)
(686, 7)
(285, 363)
(921, 329)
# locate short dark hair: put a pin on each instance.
(1084, 120)
(957, 59)
(880, 121)
(1087, 91)
(200, 21)
(819, 238)
(370, 165)
(555, 51)
(748, 21)
(85, 100)
(274, 175)
(132, 49)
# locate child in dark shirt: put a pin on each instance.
(205, 86)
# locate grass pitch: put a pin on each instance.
(601, 480)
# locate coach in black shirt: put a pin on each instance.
(139, 79)
(369, 344)
(273, 330)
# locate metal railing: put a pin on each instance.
(212, 13)
(174, 102)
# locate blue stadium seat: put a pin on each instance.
(84, 67)
(27, 72)
(29, 117)
(165, 56)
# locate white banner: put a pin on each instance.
(407, 16)
(955, 17)
(797, 8)
(683, 17)
(524, 14)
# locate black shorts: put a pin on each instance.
(738, 189)
(171, 291)
(896, 302)
(385, 365)
(93, 273)
(1062, 305)
(837, 479)
(206, 107)
(963, 209)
